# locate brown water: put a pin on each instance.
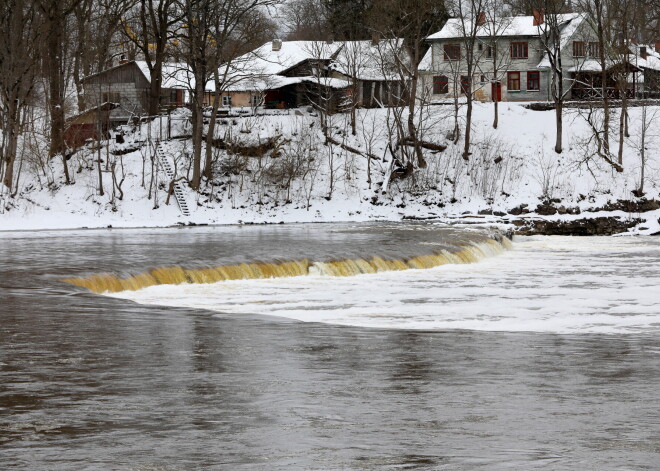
(92, 382)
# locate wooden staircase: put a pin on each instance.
(178, 191)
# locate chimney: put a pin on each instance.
(277, 44)
(481, 18)
(375, 39)
(330, 40)
(657, 46)
(123, 59)
(642, 52)
(538, 17)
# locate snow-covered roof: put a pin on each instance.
(267, 61)
(260, 69)
(175, 74)
(568, 25)
(366, 60)
(426, 63)
(502, 27)
(652, 59)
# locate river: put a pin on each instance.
(546, 356)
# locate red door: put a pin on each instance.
(496, 91)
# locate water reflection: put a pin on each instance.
(89, 382)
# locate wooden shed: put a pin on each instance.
(93, 124)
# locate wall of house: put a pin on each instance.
(241, 99)
(485, 67)
(128, 81)
(486, 71)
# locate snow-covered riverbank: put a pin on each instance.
(512, 174)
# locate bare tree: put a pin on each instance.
(150, 26)
(412, 21)
(472, 18)
(55, 16)
(18, 27)
(550, 24)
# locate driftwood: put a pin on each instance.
(247, 150)
(409, 141)
(353, 150)
(402, 172)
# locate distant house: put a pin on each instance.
(520, 70)
(127, 85)
(375, 68)
(289, 74)
(647, 58)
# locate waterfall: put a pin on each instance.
(175, 275)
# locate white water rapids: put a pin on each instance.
(563, 285)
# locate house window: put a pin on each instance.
(465, 84)
(111, 97)
(594, 49)
(483, 79)
(440, 85)
(490, 51)
(579, 49)
(226, 100)
(452, 52)
(519, 50)
(533, 81)
(256, 100)
(513, 82)
(173, 97)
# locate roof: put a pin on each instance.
(265, 61)
(261, 69)
(652, 60)
(366, 60)
(103, 107)
(505, 26)
(175, 74)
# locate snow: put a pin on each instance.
(508, 26)
(175, 74)
(447, 189)
(367, 60)
(585, 285)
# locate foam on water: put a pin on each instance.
(544, 284)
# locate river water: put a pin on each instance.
(544, 357)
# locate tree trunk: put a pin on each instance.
(11, 145)
(468, 126)
(559, 105)
(54, 63)
(208, 164)
(155, 85)
(412, 130)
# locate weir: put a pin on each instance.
(175, 275)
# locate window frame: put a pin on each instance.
(440, 82)
(449, 51)
(519, 46)
(593, 49)
(536, 79)
(509, 76)
(226, 101)
(579, 49)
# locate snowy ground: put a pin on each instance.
(512, 166)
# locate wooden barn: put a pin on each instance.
(91, 124)
(128, 86)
